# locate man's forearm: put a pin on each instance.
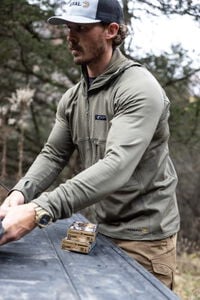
(38, 178)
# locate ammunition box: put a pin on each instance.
(71, 245)
(82, 232)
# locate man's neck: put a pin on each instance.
(97, 68)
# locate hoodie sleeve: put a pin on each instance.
(52, 159)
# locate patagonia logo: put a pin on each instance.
(100, 117)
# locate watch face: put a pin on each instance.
(45, 219)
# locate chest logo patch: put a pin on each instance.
(100, 117)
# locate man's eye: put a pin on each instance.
(81, 28)
(78, 28)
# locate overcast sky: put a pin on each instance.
(157, 34)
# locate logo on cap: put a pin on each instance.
(78, 3)
(86, 4)
(74, 3)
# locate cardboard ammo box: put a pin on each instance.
(71, 245)
(82, 232)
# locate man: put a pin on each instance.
(117, 118)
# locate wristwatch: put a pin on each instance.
(1, 229)
(42, 217)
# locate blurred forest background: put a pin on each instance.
(36, 69)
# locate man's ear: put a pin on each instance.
(112, 30)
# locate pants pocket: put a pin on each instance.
(164, 268)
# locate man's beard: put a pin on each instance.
(95, 53)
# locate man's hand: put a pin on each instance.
(18, 221)
(14, 199)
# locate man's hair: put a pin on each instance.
(121, 35)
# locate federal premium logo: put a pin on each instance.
(78, 3)
(75, 3)
(86, 4)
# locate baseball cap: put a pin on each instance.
(90, 11)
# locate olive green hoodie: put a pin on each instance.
(120, 127)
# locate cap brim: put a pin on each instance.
(59, 20)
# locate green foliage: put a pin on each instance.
(27, 52)
(35, 54)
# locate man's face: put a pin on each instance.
(86, 42)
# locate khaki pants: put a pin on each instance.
(158, 257)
